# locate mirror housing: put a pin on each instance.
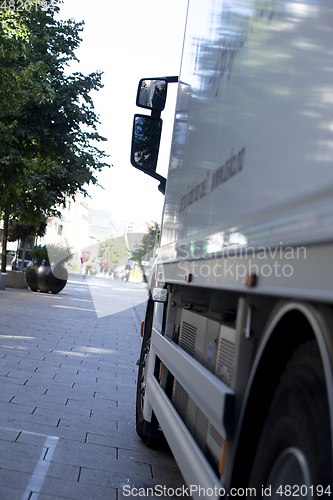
(152, 93)
(146, 142)
(146, 139)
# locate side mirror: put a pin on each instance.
(145, 143)
(152, 93)
(147, 130)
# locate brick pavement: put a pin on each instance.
(67, 401)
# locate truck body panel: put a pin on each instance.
(252, 144)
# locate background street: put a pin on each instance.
(67, 398)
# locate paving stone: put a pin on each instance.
(146, 456)
(31, 438)
(18, 420)
(42, 496)
(72, 376)
(91, 404)
(61, 413)
(165, 474)
(119, 394)
(78, 490)
(21, 408)
(116, 479)
(117, 440)
(11, 493)
(86, 426)
(9, 435)
(12, 379)
(24, 450)
(41, 400)
(18, 479)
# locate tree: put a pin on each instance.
(149, 244)
(48, 126)
(113, 251)
(22, 231)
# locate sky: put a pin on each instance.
(128, 40)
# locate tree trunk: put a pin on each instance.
(24, 252)
(4, 242)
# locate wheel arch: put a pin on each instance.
(290, 325)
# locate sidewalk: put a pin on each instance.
(67, 400)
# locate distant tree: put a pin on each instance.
(145, 250)
(48, 126)
(114, 251)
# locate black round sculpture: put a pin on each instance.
(41, 277)
(31, 276)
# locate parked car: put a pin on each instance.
(16, 264)
(10, 255)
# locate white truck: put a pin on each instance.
(237, 352)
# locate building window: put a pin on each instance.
(60, 230)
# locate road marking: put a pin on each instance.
(77, 308)
(37, 479)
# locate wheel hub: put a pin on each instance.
(291, 469)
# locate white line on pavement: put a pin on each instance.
(43, 464)
(37, 479)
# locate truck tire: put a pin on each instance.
(294, 455)
(147, 431)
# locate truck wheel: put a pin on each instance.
(294, 455)
(147, 431)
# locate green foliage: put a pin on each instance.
(149, 242)
(48, 126)
(42, 108)
(20, 230)
(58, 254)
(91, 266)
(54, 254)
(104, 264)
(39, 254)
(114, 251)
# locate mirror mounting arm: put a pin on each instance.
(162, 184)
(155, 113)
(172, 79)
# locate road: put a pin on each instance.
(67, 400)
(113, 296)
